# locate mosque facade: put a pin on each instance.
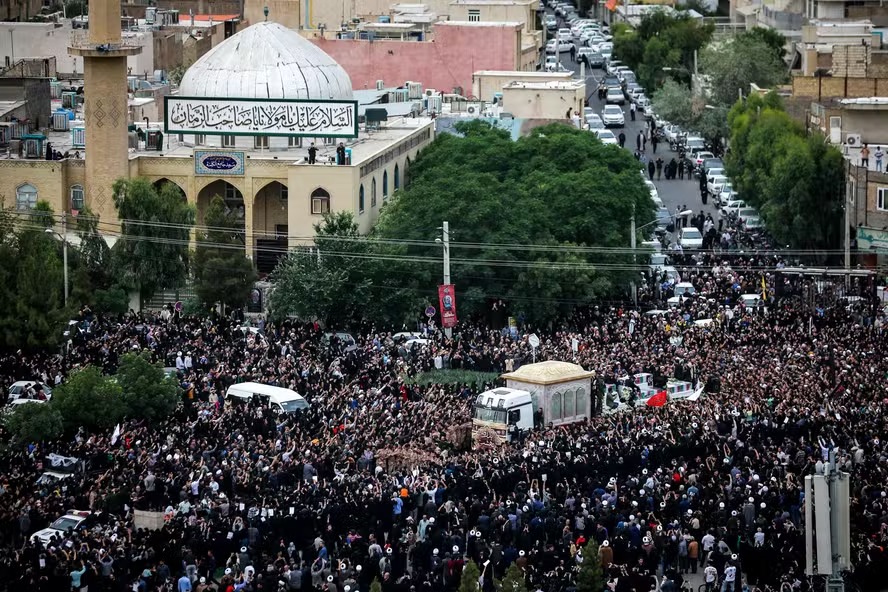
(263, 173)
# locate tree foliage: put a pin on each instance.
(34, 422)
(514, 580)
(468, 581)
(737, 63)
(152, 253)
(146, 391)
(555, 188)
(222, 272)
(661, 40)
(794, 179)
(591, 576)
(89, 399)
(39, 289)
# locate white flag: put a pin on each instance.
(696, 394)
(115, 435)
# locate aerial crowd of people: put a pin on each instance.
(374, 481)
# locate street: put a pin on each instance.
(676, 194)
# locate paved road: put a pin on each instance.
(675, 194)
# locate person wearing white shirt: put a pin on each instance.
(710, 575)
(708, 543)
(730, 576)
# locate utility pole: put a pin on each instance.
(632, 246)
(849, 202)
(827, 524)
(445, 230)
(65, 252)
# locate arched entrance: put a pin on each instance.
(270, 228)
(231, 195)
(163, 182)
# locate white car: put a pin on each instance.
(727, 195)
(733, 206)
(613, 115)
(655, 195)
(554, 46)
(715, 183)
(615, 96)
(606, 136)
(594, 118)
(690, 238)
(70, 521)
(753, 223)
(27, 389)
(553, 65)
(747, 212)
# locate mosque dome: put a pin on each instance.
(266, 61)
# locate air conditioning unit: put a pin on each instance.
(430, 91)
(434, 104)
(414, 90)
(450, 97)
(473, 109)
(835, 130)
(380, 85)
(853, 140)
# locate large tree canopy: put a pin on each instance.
(152, 253)
(531, 220)
(794, 179)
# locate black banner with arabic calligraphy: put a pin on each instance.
(261, 117)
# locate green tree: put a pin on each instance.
(675, 103)
(330, 281)
(591, 576)
(9, 323)
(733, 65)
(147, 392)
(89, 399)
(529, 218)
(222, 272)
(152, 252)
(468, 581)
(39, 291)
(34, 422)
(796, 180)
(770, 37)
(514, 580)
(95, 255)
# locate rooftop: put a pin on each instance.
(493, 2)
(546, 85)
(548, 372)
(522, 74)
(503, 24)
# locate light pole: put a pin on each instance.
(444, 241)
(850, 190)
(64, 237)
(12, 46)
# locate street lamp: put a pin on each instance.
(444, 241)
(64, 237)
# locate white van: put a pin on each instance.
(285, 400)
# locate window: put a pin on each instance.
(373, 193)
(581, 402)
(294, 141)
(882, 199)
(231, 192)
(26, 197)
(285, 192)
(200, 140)
(568, 404)
(329, 141)
(474, 16)
(228, 141)
(514, 416)
(77, 197)
(260, 142)
(396, 179)
(361, 199)
(385, 185)
(320, 201)
(555, 407)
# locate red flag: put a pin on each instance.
(611, 5)
(657, 400)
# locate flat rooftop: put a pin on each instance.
(546, 85)
(523, 74)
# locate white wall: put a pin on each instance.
(30, 40)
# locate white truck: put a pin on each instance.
(499, 415)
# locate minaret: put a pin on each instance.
(106, 111)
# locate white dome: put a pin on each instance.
(266, 61)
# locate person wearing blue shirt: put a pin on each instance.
(184, 584)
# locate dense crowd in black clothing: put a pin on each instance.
(370, 481)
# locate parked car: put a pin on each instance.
(606, 136)
(612, 115)
(592, 117)
(715, 183)
(592, 58)
(72, 521)
(551, 22)
(727, 195)
(732, 207)
(690, 238)
(653, 189)
(744, 213)
(612, 66)
(559, 46)
(753, 223)
(615, 96)
(553, 65)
